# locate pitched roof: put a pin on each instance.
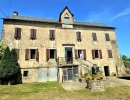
(47, 20)
(68, 10)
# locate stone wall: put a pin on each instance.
(95, 85)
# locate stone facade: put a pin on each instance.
(65, 37)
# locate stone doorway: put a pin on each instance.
(106, 71)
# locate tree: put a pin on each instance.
(124, 58)
(3, 46)
(9, 65)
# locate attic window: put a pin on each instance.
(66, 20)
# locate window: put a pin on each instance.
(52, 35)
(80, 53)
(96, 54)
(17, 35)
(31, 54)
(51, 54)
(94, 36)
(25, 73)
(66, 20)
(110, 53)
(33, 34)
(78, 36)
(107, 37)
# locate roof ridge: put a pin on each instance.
(32, 17)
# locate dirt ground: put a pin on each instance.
(109, 82)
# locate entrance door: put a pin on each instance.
(106, 70)
(70, 74)
(68, 55)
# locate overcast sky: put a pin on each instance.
(114, 13)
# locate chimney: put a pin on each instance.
(15, 13)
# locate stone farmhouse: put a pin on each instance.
(61, 50)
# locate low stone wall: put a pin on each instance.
(95, 85)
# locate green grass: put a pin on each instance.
(54, 90)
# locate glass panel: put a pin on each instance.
(64, 72)
(64, 78)
(75, 71)
(70, 74)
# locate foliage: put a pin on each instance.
(3, 46)
(9, 65)
(127, 64)
(125, 58)
(88, 77)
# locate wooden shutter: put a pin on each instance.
(53, 34)
(84, 53)
(34, 33)
(77, 33)
(100, 52)
(19, 33)
(47, 54)
(93, 54)
(17, 52)
(76, 54)
(15, 34)
(27, 54)
(94, 36)
(50, 34)
(80, 36)
(37, 55)
(31, 33)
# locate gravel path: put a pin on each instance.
(109, 82)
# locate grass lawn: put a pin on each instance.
(54, 91)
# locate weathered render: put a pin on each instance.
(63, 54)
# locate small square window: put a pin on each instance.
(25, 73)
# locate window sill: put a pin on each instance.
(97, 59)
(32, 59)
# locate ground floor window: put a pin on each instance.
(25, 73)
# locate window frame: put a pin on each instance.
(17, 34)
(107, 37)
(25, 73)
(99, 54)
(78, 36)
(110, 54)
(66, 20)
(30, 55)
(33, 34)
(48, 54)
(94, 36)
(52, 35)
